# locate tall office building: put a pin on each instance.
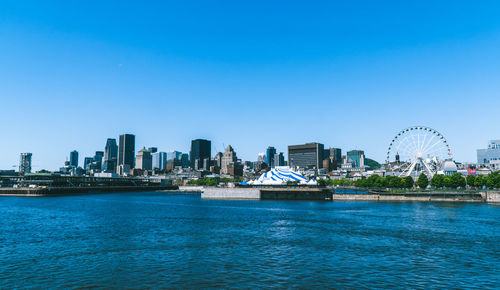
(279, 159)
(489, 154)
(25, 163)
(86, 162)
(306, 156)
(159, 160)
(200, 151)
(270, 152)
(228, 158)
(174, 155)
(98, 158)
(334, 156)
(73, 158)
(126, 153)
(356, 158)
(185, 160)
(144, 160)
(110, 156)
(153, 149)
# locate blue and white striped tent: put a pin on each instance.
(280, 175)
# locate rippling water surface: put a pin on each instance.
(150, 240)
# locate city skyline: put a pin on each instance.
(347, 75)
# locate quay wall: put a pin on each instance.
(493, 197)
(230, 193)
(49, 191)
(296, 194)
(421, 197)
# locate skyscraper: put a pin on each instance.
(356, 158)
(270, 152)
(228, 158)
(334, 156)
(25, 163)
(110, 155)
(279, 159)
(200, 151)
(172, 155)
(185, 160)
(73, 158)
(307, 156)
(86, 162)
(98, 157)
(159, 160)
(144, 160)
(126, 152)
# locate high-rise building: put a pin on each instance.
(126, 152)
(200, 150)
(25, 163)
(185, 160)
(334, 156)
(356, 158)
(172, 155)
(86, 162)
(153, 149)
(218, 159)
(270, 152)
(228, 158)
(73, 158)
(98, 157)
(110, 156)
(159, 160)
(489, 154)
(279, 159)
(261, 157)
(144, 160)
(306, 156)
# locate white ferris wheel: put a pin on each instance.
(417, 150)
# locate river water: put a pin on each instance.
(152, 240)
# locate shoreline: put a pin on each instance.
(68, 191)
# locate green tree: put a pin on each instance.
(322, 182)
(479, 181)
(457, 180)
(493, 180)
(361, 182)
(375, 181)
(394, 182)
(471, 179)
(447, 182)
(422, 181)
(437, 181)
(408, 182)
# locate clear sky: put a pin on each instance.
(348, 74)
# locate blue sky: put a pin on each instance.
(348, 74)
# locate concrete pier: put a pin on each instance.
(230, 193)
(493, 197)
(418, 196)
(267, 193)
(61, 191)
(296, 193)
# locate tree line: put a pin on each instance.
(208, 181)
(456, 180)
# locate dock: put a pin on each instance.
(61, 191)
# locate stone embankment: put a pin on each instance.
(493, 197)
(53, 191)
(230, 193)
(418, 196)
